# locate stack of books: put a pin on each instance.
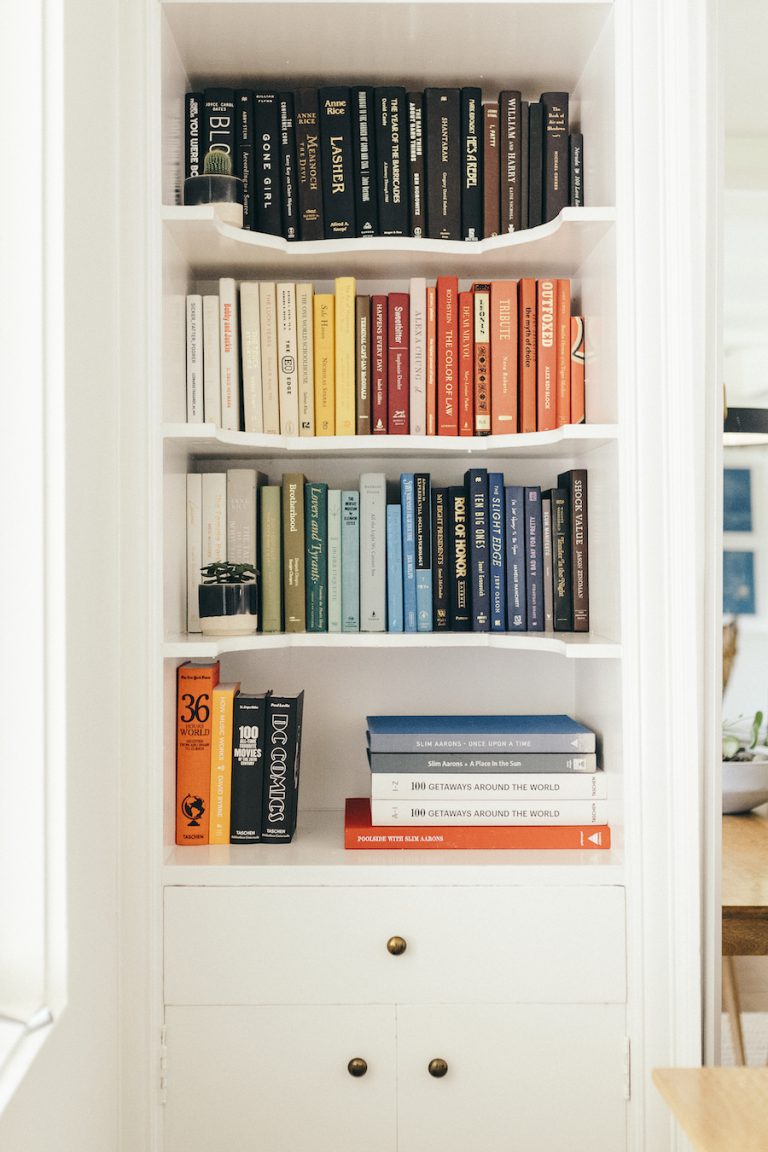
(480, 782)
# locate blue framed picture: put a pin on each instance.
(739, 583)
(737, 500)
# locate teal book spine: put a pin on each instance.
(334, 560)
(394, 568)
(350, 561)
(316, 558)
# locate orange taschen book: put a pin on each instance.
(482, 300)
(503, 356)
(222, 708)
(527, 355)
(466, 364)
(447, 305)
(578, 399)
(431, 361)
(563, 345)
(195, 682)
(360, 833)
(546, 356)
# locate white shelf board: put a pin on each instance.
(317, 856)
(213, 248)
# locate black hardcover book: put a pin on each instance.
(510, 134)
(416, 168)
(555, 153)
(576, 154)
(575, 483)
(364, 160)
(441, 618)
(266, 168)
(471, 164)
(288, 166)
(306, 117)
(442, 117)
(281, 767)
(458, 560)
(193, 155)
(249, 721)
(337, 165)
(534, 560)
(525, 127)
(244, 123)
(392, 167)
(562, 599)
(535, 163)
(218, 124)
(476, 481)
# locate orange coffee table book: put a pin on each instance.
(194, 724)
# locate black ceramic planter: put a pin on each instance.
(226, 192)
(228, 609)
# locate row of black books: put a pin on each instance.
(504, 781)
(324, 163)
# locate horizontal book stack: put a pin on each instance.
(340, 162)
(448, 358)
(237, 760)
(480, 782)
(400, 556)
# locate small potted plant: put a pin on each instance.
(745, 764)
(217, 186)
(228, 600)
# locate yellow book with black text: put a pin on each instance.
(325, 359)
(222, 705)
(346, 390)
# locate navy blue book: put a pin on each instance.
(458, 561)
(394, 568)
(562, 589)
(267, 181)
(423, 532)
(288, 167)
(408, 506)
(441, 616)
(497, 566)
(471, 164)
(555, 733)
(514, 507)
(336, 164)
(316, 555)
(249, 719)
(244, 134)
(476, 482)
(534, 560)
(364, 162)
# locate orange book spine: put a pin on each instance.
(563, 345)
(466, 365)
(222, 708)
(447, 304)
(431, 361)
(503, 356)
(546, 356)
(195, 685)
(482, 302)
(578, 396)
(527, 355)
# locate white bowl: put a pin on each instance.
(745, 784)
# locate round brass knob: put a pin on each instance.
(437, 1068)
(357, 1066)
(396, 945)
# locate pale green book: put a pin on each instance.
(271, 566)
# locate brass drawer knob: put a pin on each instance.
(437, 1068)
(396, 945)
(357, 1066)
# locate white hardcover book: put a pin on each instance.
(491, 811)
(482, 787)
(270, 394)
(334, 560)
(195, 403)
(287, 368)
(211, 361)
(175, 357)
(214, 518)
(250, 347)
(418, 357)
(230, 354)
(306, 355)
(373, 552)
(242, 514)
(194, 547)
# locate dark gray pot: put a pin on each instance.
(226, 192)
(228, 609)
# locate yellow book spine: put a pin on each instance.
(222, 707)
(345, 356)
(325, 360)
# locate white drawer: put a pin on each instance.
(330, 945)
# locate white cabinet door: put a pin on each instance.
(276, 1079)
(521, 1078)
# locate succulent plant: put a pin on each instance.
(741, 737)
(222, 573)
(217, 163)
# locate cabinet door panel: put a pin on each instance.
(522, 1078)
(273, 1079)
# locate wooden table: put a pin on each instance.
(745, 884)
(719, 1109)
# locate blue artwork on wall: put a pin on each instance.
(739, 583)
(737, 500)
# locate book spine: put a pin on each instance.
(248, 746)
(447, 305)
(335, 570)
(496, 563)
(270, 537)
(363, 364)
(430, 382)
(576, 172)
(423, 534)
(267, 176)
(476, 482)
(194, 547)
(555, 153)
(212, 361)
(250, 344)
(527, 354)
(398, 363)
(391, 118)
(305, 358)
(287, 366)
(466, 403)
(408, 506)
(563, 351)
(524, 162)
(418, 357)
(535, 163)
(281, 768)
(364, 162)
(324, 364)
(229, 354)
(219, 124)
(316, 556)
(514, 509)
(294, 575)
(345, 388)
(546, 356)
(503, 356)
(193, 157)
(442, 115)
(416, 169)
(222, 706)
(214, 519)
(484, 786)
(482, 376)
(288, 166)
(514, 812)
(470, 764)
(350, 561)
(373, 559)
(440, 603)
(534, 582)
(244, 139)
(195, 685)
(337, 164)
(561, 561)
(394, 568)
(546, 560)
(309, 182)
(241, 516)
(511, 185)
(575, 482)
(458, 561)
(379, 363)
(270, 381)
(491, 171)
(471, 164)
(578, 357)
(195, 400)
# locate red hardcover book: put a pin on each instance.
(491, 155)
(447, 356)
(578, 399)
(398, 366)
(527, 355)
(503, 356)
(466, 364)
(360, 833)
(378, 364)
(431, 361)
(546, 356)
(482, 301)
(563, 346)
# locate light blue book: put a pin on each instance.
(394, 569)
(334, 560)
(422, 488)
(350, 561)
(408, 506)
(497, 567)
